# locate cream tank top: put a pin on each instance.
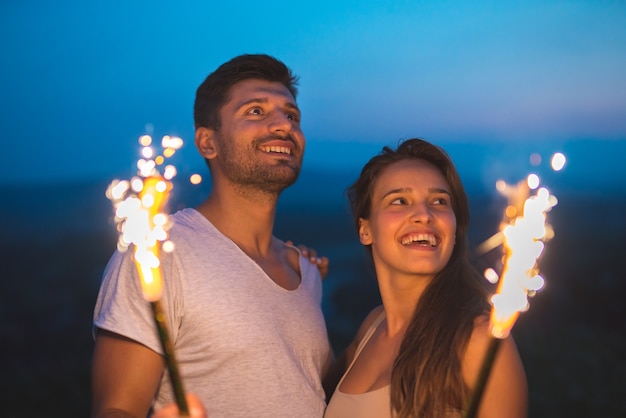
(372, 404)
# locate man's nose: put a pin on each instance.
(280, 122)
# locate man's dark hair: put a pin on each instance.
(213, 93)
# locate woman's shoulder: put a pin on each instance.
(363, 328)
(507, 387)
(374, 314)
(479, 340)
(481, 337)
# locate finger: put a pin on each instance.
(195, 406)
(322, 266)
(168, 411)
(306, 252)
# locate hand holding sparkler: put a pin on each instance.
(196, 409)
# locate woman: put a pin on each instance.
(419, 354)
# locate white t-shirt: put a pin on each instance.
(246, 346)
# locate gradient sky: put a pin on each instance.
(81, 80)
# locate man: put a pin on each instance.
(243, 307)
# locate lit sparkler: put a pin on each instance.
(142, 222)
(523, 235)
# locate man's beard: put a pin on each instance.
(241, 167)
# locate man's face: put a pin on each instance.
(260, 143)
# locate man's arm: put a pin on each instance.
(125, 376)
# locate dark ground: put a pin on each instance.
(56, 242)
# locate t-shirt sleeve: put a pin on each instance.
(121, 307)
(312, 278)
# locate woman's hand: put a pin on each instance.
(311, 254)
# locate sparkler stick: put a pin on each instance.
(483, 375)
(139, 212)
(522, 236)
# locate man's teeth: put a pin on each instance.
(423, 239)
(277, 149)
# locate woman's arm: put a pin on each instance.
(506, 391)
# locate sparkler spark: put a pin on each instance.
(523, 242)
(139, 213)
(139, 205)
(523, 234)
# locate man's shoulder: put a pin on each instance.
(189, 221)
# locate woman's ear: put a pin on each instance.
(364, 232)
(205, 142)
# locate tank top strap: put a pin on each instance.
(370, 331)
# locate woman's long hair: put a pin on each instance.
(426, 379)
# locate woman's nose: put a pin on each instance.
(420, 213)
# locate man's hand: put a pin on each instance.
(196, 409)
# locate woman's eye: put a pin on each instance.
(440, 201)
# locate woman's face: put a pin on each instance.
(412, 226)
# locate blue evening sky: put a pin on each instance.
(81, 80)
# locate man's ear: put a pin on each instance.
(205, 142)
(364, 232)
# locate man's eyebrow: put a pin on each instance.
(293, 106)
(263, 100)
(259, 100)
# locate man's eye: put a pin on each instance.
(293, 116)
(255, 111)
(398, 201)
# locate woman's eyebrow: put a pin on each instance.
(438, 190)
(396, 191)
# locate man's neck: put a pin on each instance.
(248, 220)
